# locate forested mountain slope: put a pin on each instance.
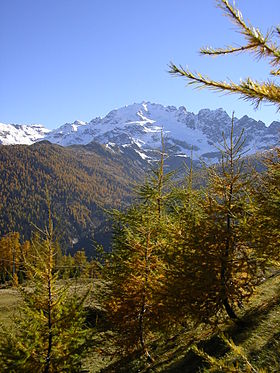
(81, 182)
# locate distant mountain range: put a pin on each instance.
(91, 167)
(138, 127)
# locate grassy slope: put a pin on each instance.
(258, 334)
(9, 300)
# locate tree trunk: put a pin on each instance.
(48, 358)
(143, 305)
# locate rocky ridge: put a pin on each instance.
(139, 126)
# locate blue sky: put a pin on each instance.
(63, 60)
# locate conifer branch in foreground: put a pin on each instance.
(262, 46)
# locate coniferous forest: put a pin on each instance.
(180, 274)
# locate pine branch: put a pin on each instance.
(248, 89)
(220, 51)
(275, 72)
(261, 45)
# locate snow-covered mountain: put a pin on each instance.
(139, 126)
(11, 134)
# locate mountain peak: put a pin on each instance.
(21, 133)
(139, 126)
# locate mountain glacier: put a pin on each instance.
(139, 127)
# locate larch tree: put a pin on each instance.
(183, 285)
(228, 229)
(10, 249)
(211, 265)
(267, 212)
(136, 267)
(265, 239)
(49, 334)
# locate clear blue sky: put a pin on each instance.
(63, 60)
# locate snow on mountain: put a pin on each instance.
(11, 134)
(139, 127)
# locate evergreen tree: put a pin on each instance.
(49, 334)
(263, 46)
